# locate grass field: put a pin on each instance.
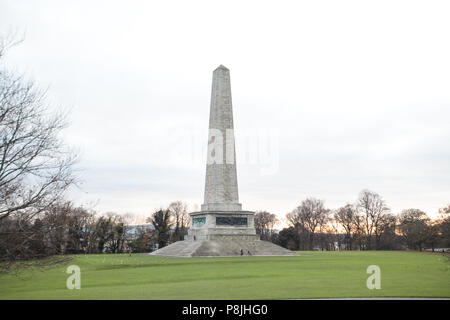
(311, 275)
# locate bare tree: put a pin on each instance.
(373, 208)
(413, 225)
(109, 233)
(359, 233)
(180, 216)
(35, 166)
(116, 239)
(264, 224)
(311, 215)
(66, 228)
(386, 232)
(345, 217)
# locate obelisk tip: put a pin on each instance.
(222, 67)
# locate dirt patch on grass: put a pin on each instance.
(44, 263)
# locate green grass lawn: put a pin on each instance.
(311, 275)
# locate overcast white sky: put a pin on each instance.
(351, 94)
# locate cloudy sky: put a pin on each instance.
(329, 97)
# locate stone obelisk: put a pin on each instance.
(221, 188)
(221, 228)
(221, 215)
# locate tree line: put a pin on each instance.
(63, 228)
(367, 224)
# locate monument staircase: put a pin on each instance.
(222, 248)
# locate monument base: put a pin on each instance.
(222, 234)
(226, 247)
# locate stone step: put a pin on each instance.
(222, 248)
(179, 248)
